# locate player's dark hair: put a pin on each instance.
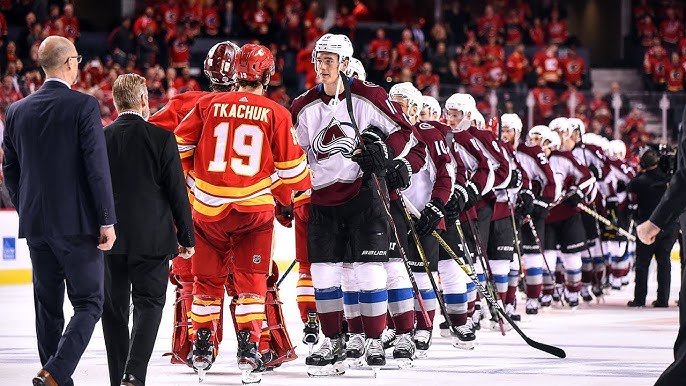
(222, 87)
(649, 158)
(255, 83)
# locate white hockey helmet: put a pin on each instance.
(577, 124)
(540, 130)
(553, 139)
(591, 138)
(478, 118)
(407, 90)
(616, 149)
(512, 121)
(335, 44)
(603, 143)
(355, 67)
(560, 124)
(462, 102)
(432, 104)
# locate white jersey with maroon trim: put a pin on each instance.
(567, 171)
(620, 171)
(535, 163)
(462, 145)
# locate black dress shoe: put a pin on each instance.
(633, 303)
(131, 380)
(657, 304)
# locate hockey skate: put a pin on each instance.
(404, 350)
(559, 288)
(329, 359)
(572, 299)
(512, 313)
(625, 280)
(311, 331)
(597, 290)
(445, 332)
(388, 338)
(476, 317)
(463, 337)
(531, 306)
(546, 300)
(422, 342)
(203, 353)
(354, 349)
(249, 360)
(586, 294)
(375, 355)
(616, 283)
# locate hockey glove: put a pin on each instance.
(431, 215)
(540, 209)
(611, 203)
(456, 204)
(474, 194)
(574, 198)
(373, 157)
(596, 173)
(632, 209)
(525, 204)
(284, 214)
(398, 174)
(621, 186)
(515, 179)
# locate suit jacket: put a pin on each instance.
(673, 202)
(149, 189)
(55, 165)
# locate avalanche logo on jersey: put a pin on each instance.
(333, 140)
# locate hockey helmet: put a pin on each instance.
(252, 61)
(220, 63)
(355, 67)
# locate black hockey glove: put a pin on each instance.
(621, 186)
(525, 203)
(374, 156)
(398, 174)
(474, 194)
(596, 173)
(574, 198)
(456, 204)
(611, 203)
(515, 179)
(284, 214)
(632, 209)
(540, 210)
(431, 215)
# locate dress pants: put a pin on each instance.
(78, 260)
(675, 374)
(661, 249)
(143, 279)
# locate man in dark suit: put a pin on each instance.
(58, 178)
(151, 199)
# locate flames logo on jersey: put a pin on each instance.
(333, 140)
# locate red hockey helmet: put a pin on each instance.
(252, 61)
(220, 62)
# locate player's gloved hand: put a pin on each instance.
(515, 179)
(374, 156)
(575, 197)
(621, 186)
(398, 174)
(596, 173)
(611, 203)
(284, 214)
(632, 209)
(456, 204)
(431, 215)
(540, 210)
(525, 203)
(474, 194)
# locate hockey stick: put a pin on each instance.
(283, 277)
(605, 221)
(556, 351)
(530, 221)
(515, 232)
(386, 205)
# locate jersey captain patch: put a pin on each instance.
(333, 140)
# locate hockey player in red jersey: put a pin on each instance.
(243, 156)
(347, 218)
(219, 69)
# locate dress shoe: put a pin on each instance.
(657, 304)
(633, 303)
(44, 379)
(131, 380)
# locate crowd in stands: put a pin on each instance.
(505, 45)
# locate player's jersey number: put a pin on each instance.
(246, 142)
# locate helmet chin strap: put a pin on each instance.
(334, 101)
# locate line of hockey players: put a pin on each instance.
(371, 275)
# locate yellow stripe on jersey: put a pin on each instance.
(289, 164)
(204, 319)
(304, 298)
(296, 179)
(249, 318)
(231, 192)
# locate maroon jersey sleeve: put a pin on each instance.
(491, 145)
(481, 173)
(438, 151)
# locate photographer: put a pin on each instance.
(647, 189)
(668, 210)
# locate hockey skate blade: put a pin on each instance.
(355, 362)
(248, 376)
(420, 354)
(445, 333)
(376, 370)
(328, 370)
(201, 374)
(404, 363)
(201, 366)
(464, 345)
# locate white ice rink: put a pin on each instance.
(606, 344)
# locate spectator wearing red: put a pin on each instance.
(489, 24)
(476, 77)
(537, 33)
(574, 68)
(408, 54)
(649, 57)
(643, 9)
(599, 106)
(211, 20)
(55, 28)
(544, 102)
(170, 13)
(572, 96)
(360, 11)
(517, 66)
(427, 82)
(70, 23)
(180, 47)
(280, 96)
(547, 65)
(495, 72)
(671, 29)
(494, 49)
(314, 31)
(675, 74)
(659, 67)
(524, 9)
(144, 21)
(473, 44)
(186, 82)
(647, 31)
(169, 80)
(514, 28)
(307, 77)
(3, 26)
(8, 94)
(557, 28)
(311, 14)
(53, 17)
(463, 61)
(191, 15)
(257, 20)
